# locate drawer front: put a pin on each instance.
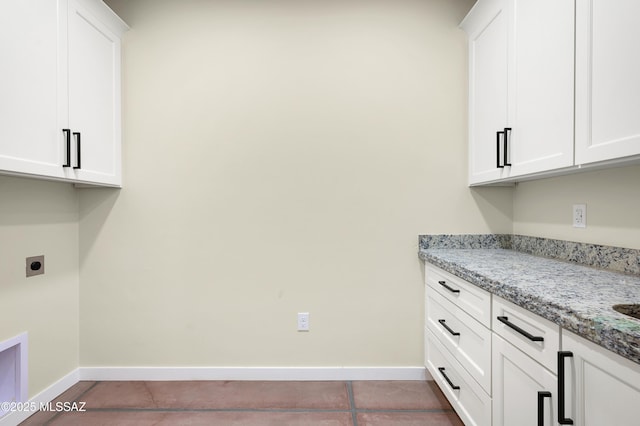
(469, 400)
(532, 334)
(465, 338)
(471, 299)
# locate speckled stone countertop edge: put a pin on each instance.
(510, 293)
(616, 259)
(613, 339)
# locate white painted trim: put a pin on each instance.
(253, 373)
(21, 342)
(47, 395)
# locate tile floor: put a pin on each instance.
(358, 403)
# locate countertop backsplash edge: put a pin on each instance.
(616, 259)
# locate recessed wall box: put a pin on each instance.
(35, 265)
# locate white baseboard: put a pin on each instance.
(47, 395)
(253, 373)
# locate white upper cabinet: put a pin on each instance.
(94, 95)
(607, 80)
(487, 28)
(541, 78)
(60, 90)
(32, 38)
(521, 77)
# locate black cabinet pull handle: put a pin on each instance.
(561, 417)
(541, 396)
(529, 336)
(498, 165)
(507, 131)
(454, 387)
(442, 323)
(68, 133)
(444, 284)
(77, 135)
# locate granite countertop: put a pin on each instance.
(578, 298)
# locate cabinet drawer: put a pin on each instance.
(532, 334)
(473, 300)
(465, 338)
(471, 403)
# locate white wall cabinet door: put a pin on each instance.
(524, 392)
(521, 87)
(487, 28)
(602, 388)
(60, 70)
(32, 101)
(541, 78)
(94, 96)
(607, 83)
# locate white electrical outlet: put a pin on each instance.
(303, 321)
(579, 215)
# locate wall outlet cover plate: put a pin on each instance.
(579, 215)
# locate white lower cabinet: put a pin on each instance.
(519, 369)
(532, 334)
(466, 339)
(601, 388)
(524, 356)
(458, 343)
(473, 300)
(524, 392)
(467, 397)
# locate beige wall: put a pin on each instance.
(37, 218)
(544, 208)
(279, 157)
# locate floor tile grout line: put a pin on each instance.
(401, 410)
(87, 390)
(352, 403)
(219, 410)
(266, 410)
(57, 414)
